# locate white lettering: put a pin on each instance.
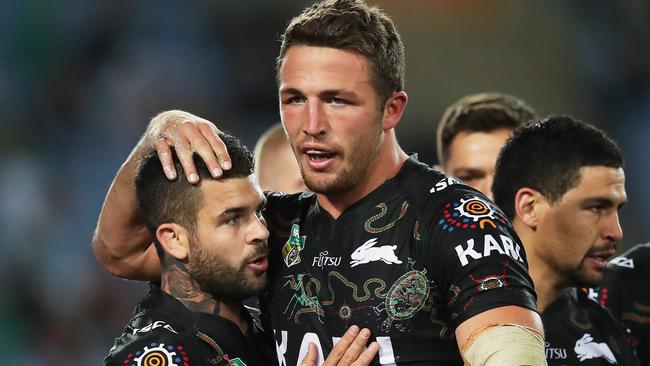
(323, 260)
(511, 247)
(281, 348)
(386, 355)
(463, 253)
(304, 347)
(491, 244)
(444, 183)
(154, 325)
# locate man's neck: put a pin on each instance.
(177, 281)
(385, 166)
(549, 284)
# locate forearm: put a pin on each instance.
(121, 242)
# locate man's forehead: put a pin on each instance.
(600, 181)
(224, 191)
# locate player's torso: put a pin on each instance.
(581, 333)
(362, 269)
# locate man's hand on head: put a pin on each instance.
(187, 134)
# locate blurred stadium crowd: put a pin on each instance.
(79, 81)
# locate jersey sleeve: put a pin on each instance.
(155, 349)
(477, 258)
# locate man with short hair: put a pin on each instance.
(213, 253)
(276, 168)
(211, 239)
(561, 182)
(428, 264)
(471, 133)
(624, 292)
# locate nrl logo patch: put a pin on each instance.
(293, 246)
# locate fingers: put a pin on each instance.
(188, 134)
(165, 156)
(367, 355)
(211, 134)
(350, 349)
(311, 357)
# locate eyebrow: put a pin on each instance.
(323, 94)
(242, 209)
(602, 201)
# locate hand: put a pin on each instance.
(187, 134)
(349, 351)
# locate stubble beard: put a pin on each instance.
(361, 156)
(221, 280)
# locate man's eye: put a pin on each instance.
(467, 178)
(233, 220)
(294, 100)
(335, 100)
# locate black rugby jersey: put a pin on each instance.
(580, 331)
(625, 292)
(410, 261)
(163, 331)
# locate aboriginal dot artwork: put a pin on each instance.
(489, 282)
(158, 355)
(416, 232)
(471, 212)
(304, 299)
(409, 295)
(383, 209)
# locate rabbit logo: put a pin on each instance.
(367, 253)
(586, 349)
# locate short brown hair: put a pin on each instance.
(483, 112)
(354, 26)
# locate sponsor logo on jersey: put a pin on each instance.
(444, 183)
(323, 260)
(154, 325)
(294, 245)
(505, 246)
(554, 353)
(587, 349)
(386, 354)
(367, 253)
(623, 262)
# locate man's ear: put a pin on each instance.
(393, 109)
(174, 239)
(528, 203)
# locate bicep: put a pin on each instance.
(510, 314)
(141, 263)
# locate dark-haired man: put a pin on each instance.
(429, 265)
(212, 242)
(561, 182)
(624, 292)
(472, 131)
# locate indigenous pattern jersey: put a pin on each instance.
(625, 292)
(579, 331)
(163, 332)
(410, 261)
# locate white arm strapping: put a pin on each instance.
(504, 344)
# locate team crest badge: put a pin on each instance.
(293, 246)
